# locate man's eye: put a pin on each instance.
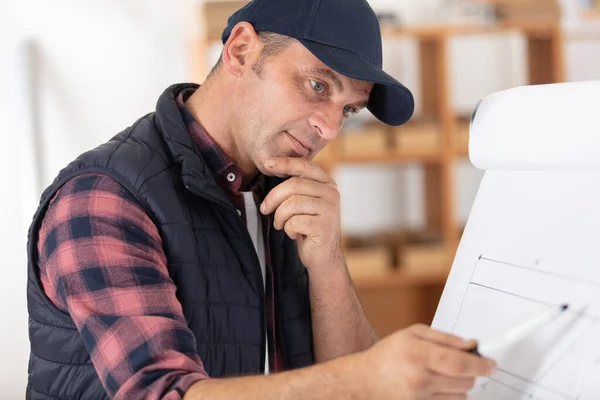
(317, 86)
(349, 110)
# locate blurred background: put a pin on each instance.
(73, 73)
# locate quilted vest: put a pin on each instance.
(210, 257)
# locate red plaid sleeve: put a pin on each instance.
(101, 260)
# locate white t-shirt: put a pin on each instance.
(253, 221)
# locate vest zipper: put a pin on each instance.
(261, 289)
(282, 347)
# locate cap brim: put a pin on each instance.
(390, 101)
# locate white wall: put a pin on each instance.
(101, 64)
(13, 341)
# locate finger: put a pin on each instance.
(298, 205)
(296, 185)
(457, 363)
(446, 339)
(292, 166)
(299, 225)
(449, 397)
(442, 384)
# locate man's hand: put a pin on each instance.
(422, 363)
(417, 363)
(307, 206)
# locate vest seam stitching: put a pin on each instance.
(57, 312)
(293, 280)
(229, 343)
(62, 363)
(207, 196)
(45, 394)
(301, 354)
(150, 159)
(133, 128)
(155, 175)
(222, 304)
(204, 265)
(296, 317)
(193, 226)
(189, 216)
(53, 325)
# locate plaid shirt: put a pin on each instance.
(101, 260)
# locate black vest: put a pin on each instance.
(220, 289)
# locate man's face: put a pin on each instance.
(296, 106)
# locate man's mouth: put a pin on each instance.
(299, 146)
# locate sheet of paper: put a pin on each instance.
(531, 243)
(541, 127)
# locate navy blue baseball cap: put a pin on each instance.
(343, 34)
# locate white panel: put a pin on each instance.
(468, 179)
(538, 127)
(16, 175)
(483, 64)
(102, 65)
(379, 198)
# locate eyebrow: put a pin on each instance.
(329, 74)
(338, 84)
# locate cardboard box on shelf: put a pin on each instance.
(528, 10)
(370, 139)
(419, 137)
(424, 256)
(368, 261)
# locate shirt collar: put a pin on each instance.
(227, 174)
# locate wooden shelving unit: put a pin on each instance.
(402, 296)
(402, 278)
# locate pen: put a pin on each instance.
(518, 332)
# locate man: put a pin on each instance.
(197, 254)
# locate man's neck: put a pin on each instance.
(209, 108)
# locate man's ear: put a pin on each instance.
(242, 49)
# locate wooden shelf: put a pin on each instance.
(390, 157)
(441, 30)
(399, 278)
(416, 141)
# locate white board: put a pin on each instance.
(532, 242)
